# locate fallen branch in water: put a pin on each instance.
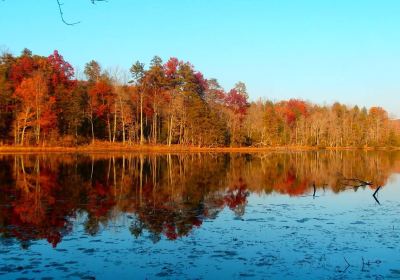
(347, 266)
(369, 263)
(377, 190)
(314, 190)
(314, 195)
(375, 193)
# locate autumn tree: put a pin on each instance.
(62, 85)
(173, 100)
(138, 72)
(123, 109)
(35, 108)
(41, 101)
(236, 102)
(92, 71)
(378, 120)
(154, 84)
(6, 96)
(100, 103)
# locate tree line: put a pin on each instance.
(43, 103)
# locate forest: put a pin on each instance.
(44, 103)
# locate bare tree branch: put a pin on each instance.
(62, 13)
(375, 193)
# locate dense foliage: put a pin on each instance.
(42, 103)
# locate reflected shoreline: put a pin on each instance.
(166, 195)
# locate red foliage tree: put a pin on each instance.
(293, 110)
(100, 103)
(171, 67)
(237, 103)
(61, 72)
(22, 68)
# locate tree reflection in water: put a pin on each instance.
(164, 195)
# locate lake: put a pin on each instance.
(276, 215)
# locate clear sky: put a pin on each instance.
(321, 50)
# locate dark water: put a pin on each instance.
(200, 216)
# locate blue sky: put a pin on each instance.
(322, 50)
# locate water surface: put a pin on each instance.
(200, 216)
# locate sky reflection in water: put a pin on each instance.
(200, 216)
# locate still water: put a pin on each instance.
(303, 215)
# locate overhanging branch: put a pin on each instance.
(62, 13)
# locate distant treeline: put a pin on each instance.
(43, 103)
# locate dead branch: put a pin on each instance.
(375, 193)
(347, 266)
(62, 13)
(377, 190)
(369, 263)
(314, 190)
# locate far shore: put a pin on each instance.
(148, 148)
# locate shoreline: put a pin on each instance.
(111, 148)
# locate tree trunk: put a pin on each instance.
(92, 126)
(109, 128)
(122, 120)
(155, 128)
(23, 130)
(180, 133)
(170, 130)
(16, 133)
(23, 135)
(38, 134)
(115, 122)
(141, 118)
